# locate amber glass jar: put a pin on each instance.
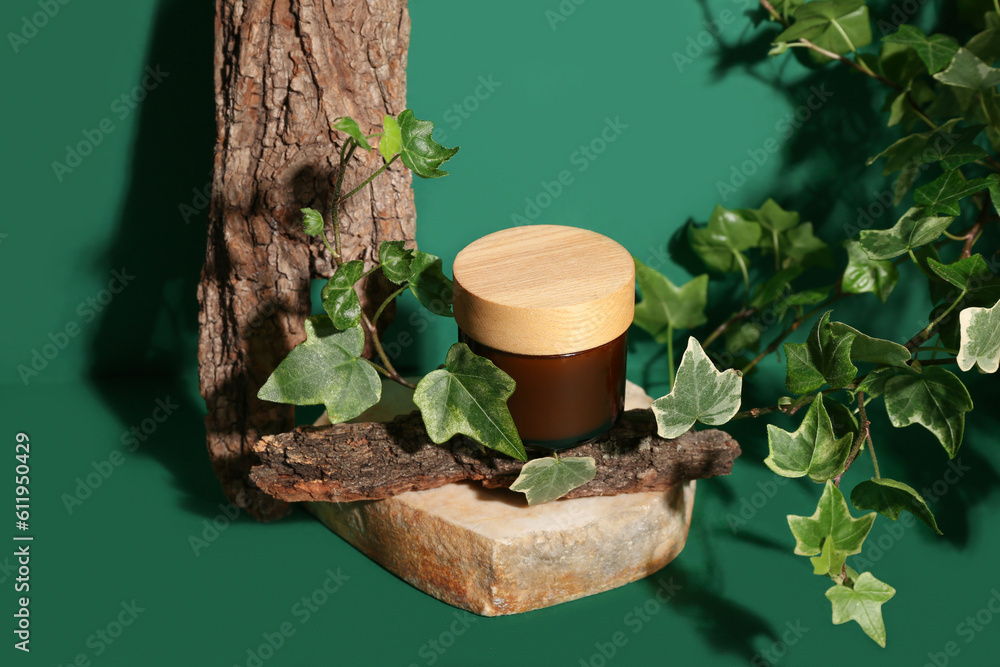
(550, 306)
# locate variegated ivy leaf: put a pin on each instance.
(813, 449)
(980, 339)
(469, 396)
(862, 602)
(825, 357)
(701, 393)
(549, 478)
(889, 497)
(831, 521)
(936, 399)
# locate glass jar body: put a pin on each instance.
(562, 400)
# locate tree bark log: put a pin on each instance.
(371, 461)
(285, 70)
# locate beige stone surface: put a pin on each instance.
(488, 552)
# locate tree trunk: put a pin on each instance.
(284, 71)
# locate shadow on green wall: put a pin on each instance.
(146, 341)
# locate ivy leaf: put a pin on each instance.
(340, 301)
(874, 382)
(469, 396)
(840, 26)
(721, 243)
(801, 246)
(966, 70)
(936, 399)
(862, 603)
(391, 142)
(701, 393)
(548, 478)
(963, 273)
(418, 150)
(664, 305)
(824, 357)
(831, 521)
(772, 217)
(914, 150)
(864, 274)
(433, 289)
(980, 339)
(944, 193)
(350, 127)
(811, 450)
(312, 221)
(936, 51)
(775, 287)
(396, 261)
(914, 229)
(829, 561)
(873, 350)
(889, 497)
(962, 150)
(326, 369)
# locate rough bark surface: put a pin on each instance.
(284, 70)
(371, 461)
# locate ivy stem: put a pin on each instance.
(370, 271)
(796, 323)
(388, 300)
(369, 179)
(392, 373)
(924, 334)
(346, 152)
(721, 329)
(670, 354)
(863, 434)
(859, 66)
(975, 231)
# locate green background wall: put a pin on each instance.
(686, 125)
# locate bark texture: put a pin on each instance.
(372, 461)
(284, 70)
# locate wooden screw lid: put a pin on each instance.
(544, 289)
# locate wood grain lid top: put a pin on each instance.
(544, 289)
